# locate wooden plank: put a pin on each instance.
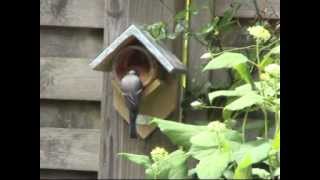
(69, 149)
(72, 13)
(70, 42)
(66, 174)
(114, 131)
(69, 78)
(70, 114)
(269, 9)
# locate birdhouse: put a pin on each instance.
(135, 49)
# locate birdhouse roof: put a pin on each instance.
(103, 62)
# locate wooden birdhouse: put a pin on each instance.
(157, 68)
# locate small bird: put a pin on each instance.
(132, 87)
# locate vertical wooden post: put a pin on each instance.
(119, 14)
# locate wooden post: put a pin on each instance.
(120, 14)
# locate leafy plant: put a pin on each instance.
(220, 149)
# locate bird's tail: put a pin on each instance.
(132, 124)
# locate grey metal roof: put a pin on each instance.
(103, 62)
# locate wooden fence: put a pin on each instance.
(75, 103)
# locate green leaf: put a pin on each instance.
(178, 133)
(243, 170)
(213, 166)
(245, 101)
(275, 50)
(216, 94)
(261, 173)
(244, 73)
(200, 152)
(174, 166)
(258, 150)
(277, 172)
(206, 138)
(276, 142)
(226, 60)
(138, 159)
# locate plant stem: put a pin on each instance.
(211, 107)
(185, 57)
(257, 51)
(234, 49)
(265, 115)
(244, 127)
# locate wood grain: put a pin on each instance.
(69, 78)
(46, 174)
(70, 42)
(69, 149)
(72, 13)
(114, 131)
(70, 114)
(269, 9)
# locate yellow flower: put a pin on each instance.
(158, 154)
(259, 32)
(217, 126)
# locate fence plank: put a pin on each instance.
(72, 13)
(114, 131)
(269, 9)
(70, 42)
(69, 114)
(69, 78)
(69, 149)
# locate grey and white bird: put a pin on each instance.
(132, 87)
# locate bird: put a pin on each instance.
(132, 87)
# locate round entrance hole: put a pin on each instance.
(135, 58)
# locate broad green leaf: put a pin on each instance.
(191, 171)
(138, 159)
(206, 56)
(258, 150)
(206, 138)
(228, 174)
(243, 170)
(275, 50)
(226, 60)
(261, 173)
(179, 133)
(213, 166)
(216, 94)
(200, 152)
(244, 73)
(277, 172)
(245, 101)
(232, 135)
(276, 142)
(174, 166)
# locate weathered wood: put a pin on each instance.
(70, 114)
(72, 13)
(70, 42)
(269, 9)
(114, 131)
(69, 78)
(69, 149)
(46, 174)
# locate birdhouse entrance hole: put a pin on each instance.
(135, 57)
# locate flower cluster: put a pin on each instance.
(217, 126)
(273, 70)
(158, 154)
(259, 33)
